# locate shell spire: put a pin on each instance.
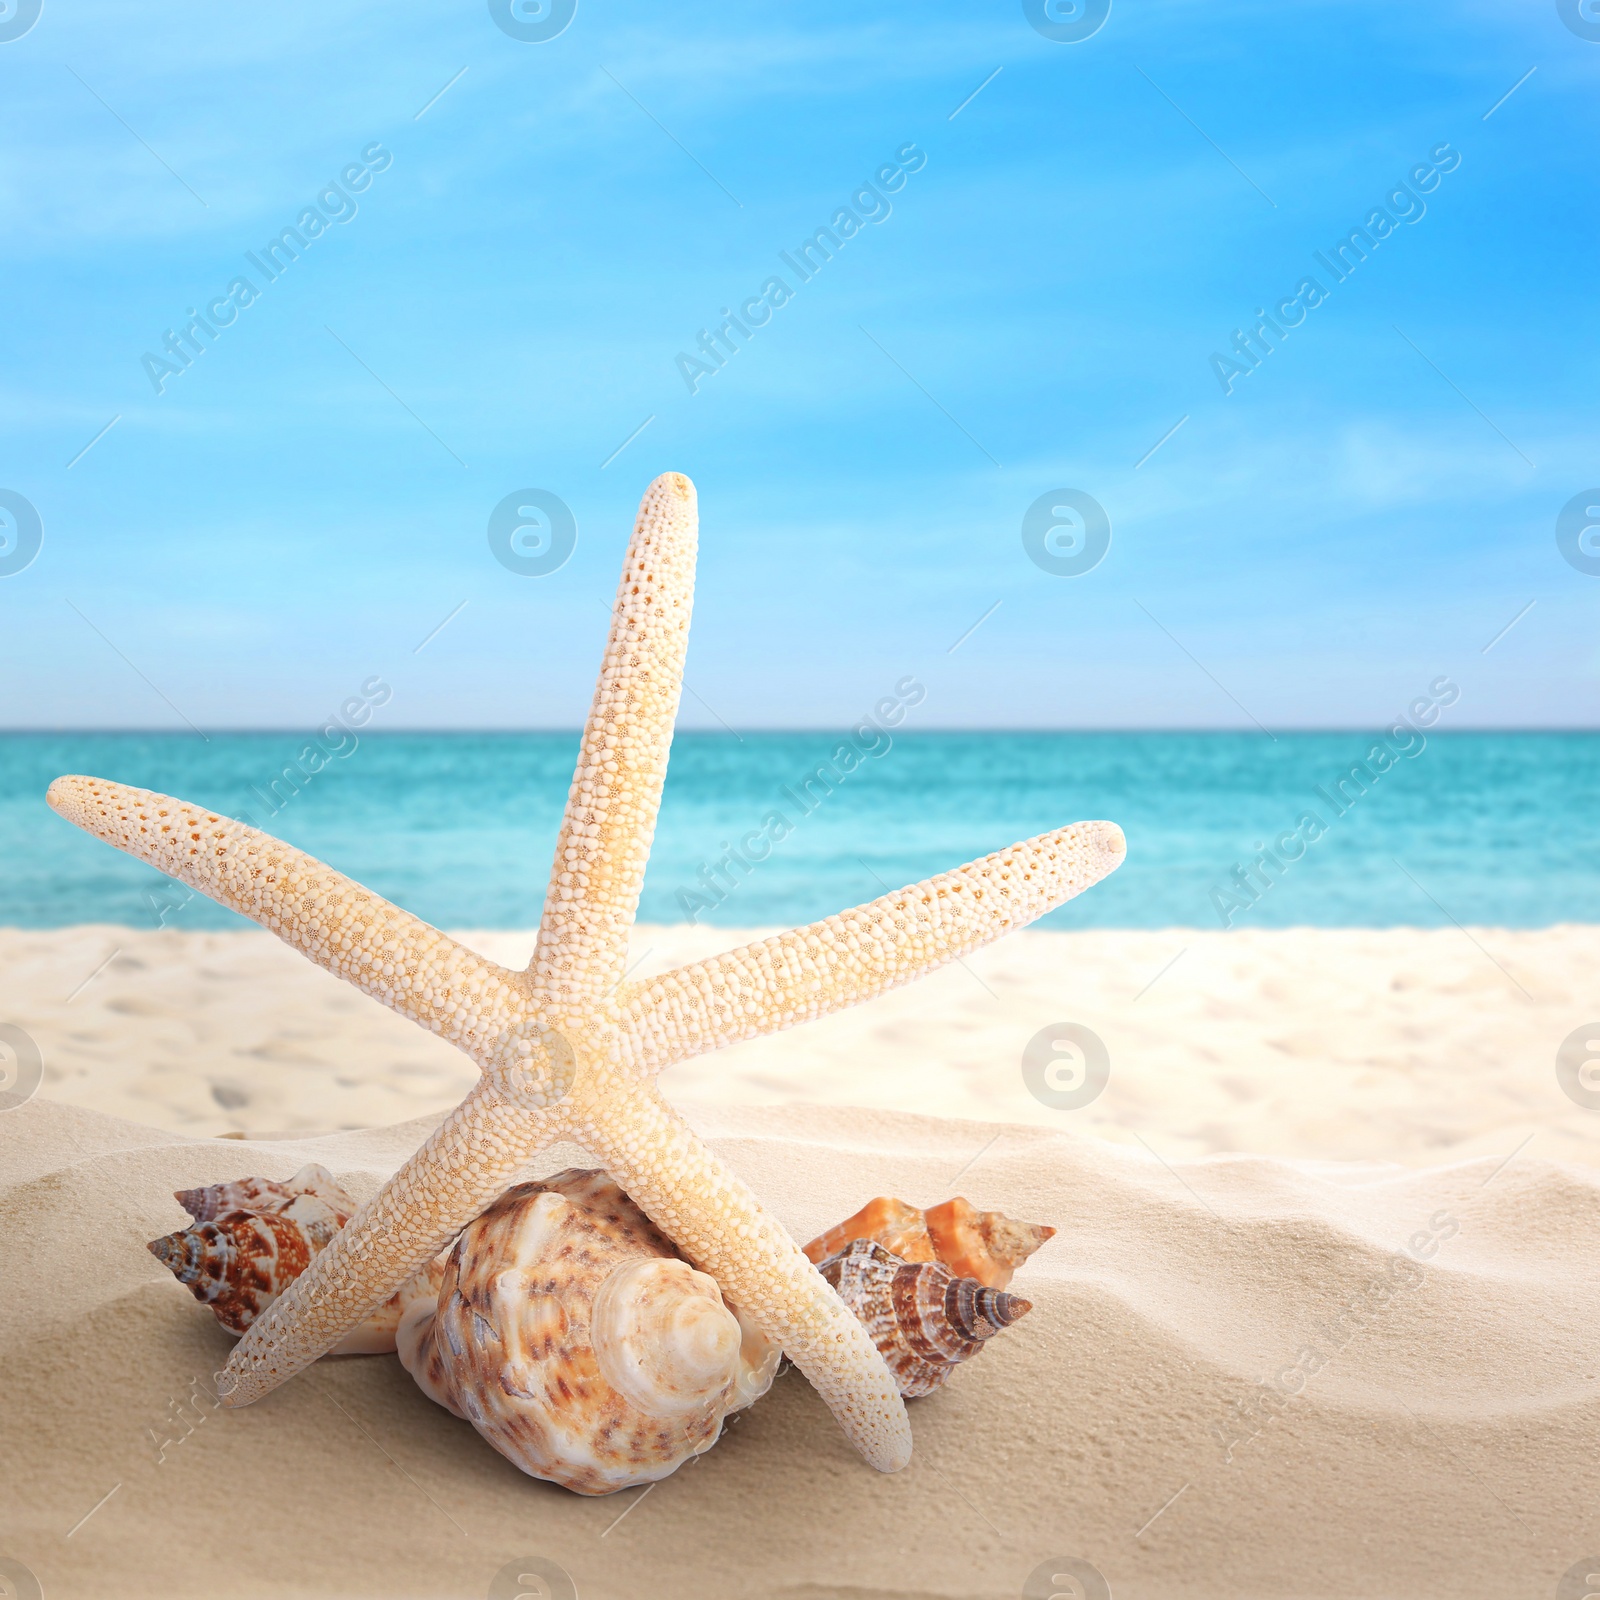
(924, 1320)
(978, 1312)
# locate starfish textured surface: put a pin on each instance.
(567, 1048)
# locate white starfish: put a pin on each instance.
(568, 1049)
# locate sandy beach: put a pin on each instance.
(1319, 1319)
(1242, 1378)
(1406, 1045)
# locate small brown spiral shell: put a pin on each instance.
(250, 1239)
(237, 1263)
(924, 1320)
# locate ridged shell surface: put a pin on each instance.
(251, 1238)
(238, 1263)
(923, 1318)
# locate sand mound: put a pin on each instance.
(1242, 1378)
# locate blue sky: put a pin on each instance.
(302, 506)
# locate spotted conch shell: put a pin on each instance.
(250, 1239)
(571, 1335)
(924, 1320)
(974, 1244)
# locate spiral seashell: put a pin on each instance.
(571, 1335)
(238, 1263)
(924, 1320)
(250, 1239)
(984, 1245)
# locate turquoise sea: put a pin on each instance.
(1496, 828)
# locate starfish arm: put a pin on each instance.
(775, 983)
(724, 1230)
(616, 789)
(482, 1148)
(356, 935)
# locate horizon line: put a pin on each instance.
(728, 732)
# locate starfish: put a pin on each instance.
(569, 1048)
